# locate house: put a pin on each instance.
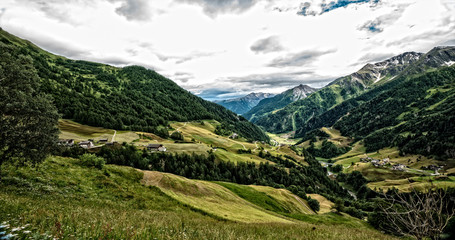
(86, 144)
(234, 136)
(66, 142)
(156, 147)
(398, 167)
(103, 140)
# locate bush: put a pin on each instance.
(91, 160)
(314, 204)
(177, 135)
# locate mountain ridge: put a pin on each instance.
(280, 100)
(243, 104)
(128, 98)
(297, 114)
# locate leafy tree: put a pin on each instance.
(177, 135)
(314, 204)
(91, 160)
(28, 119)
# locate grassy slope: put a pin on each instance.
(385, 177)
(209, 197)
(203, 135)
(62, 199)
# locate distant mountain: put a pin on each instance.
(129, 98)
(295, 115)
(437, 57)
(243, 104)
(268, 105)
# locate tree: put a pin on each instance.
(418, 214)
(314, 204)
(28, 119)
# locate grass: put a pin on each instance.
(62, 199)
(324, 204)
(210, 197)
(200, 138)
(418, 183)
(79, 132)
(292, 203)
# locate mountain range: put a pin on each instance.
(301, 115)
(281, 100)
(244, 104)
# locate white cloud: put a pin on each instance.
(238, 45)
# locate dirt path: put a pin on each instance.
(176, 130)
(301, 202)
(113, 137)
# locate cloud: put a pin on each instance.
(377, 25)
(449, 43)
(374, 58)
(298, 59)
(138, 10)
(232, 87)
(182, 77)
(134, 10)
(267, 45)
(372, 26)
(214, 7)
(312, 9)
(56, 9)
(186, 58)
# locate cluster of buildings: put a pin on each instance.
(84, 144)
(383, 162)
(91, 144)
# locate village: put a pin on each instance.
(91, 144)
(398, 166)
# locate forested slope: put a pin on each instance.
(129, 98)
(417, 115)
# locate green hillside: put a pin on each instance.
(269, 105)
(296, 115)
(437, 57)
(129, 98)
(417, 116)
(63, 199)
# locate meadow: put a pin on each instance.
(64, 200)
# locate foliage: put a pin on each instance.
(416, 115)
(296, 177)
(177, 135)
(91, 160)
(314, 204)
(327, 150)
(129, 98)
(336, 168)
(28, 120)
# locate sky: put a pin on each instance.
(220, 49)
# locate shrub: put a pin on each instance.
(177, 136)
(91, 160)
(314, 204)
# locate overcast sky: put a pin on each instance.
(227, 48)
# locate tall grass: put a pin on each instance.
(65, 200)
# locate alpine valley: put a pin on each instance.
(93, 151)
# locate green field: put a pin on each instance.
(64, 200)
(198, 138)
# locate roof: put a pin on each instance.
(154, 145)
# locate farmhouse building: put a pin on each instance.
(86, 144)
(66, 142)
(156, 147)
